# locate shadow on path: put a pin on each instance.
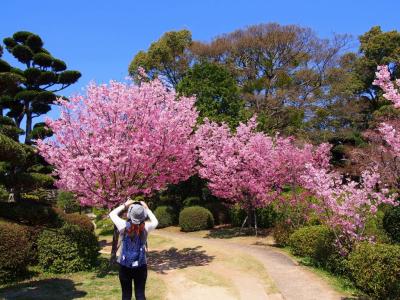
(46, 289)
(172, 258)
(231, 232)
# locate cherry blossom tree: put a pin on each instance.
(250, 168)
(345, 205)
(391, 93)
(121, 140)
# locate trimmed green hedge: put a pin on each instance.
(67, 249)
(15, 248)
(195, 218)
(81, 220)
(30, 213)
(166, 216)
(375, 269)
(315, 242)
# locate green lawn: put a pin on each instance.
(95, 285)
(86, 285)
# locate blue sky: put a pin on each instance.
(99, 38)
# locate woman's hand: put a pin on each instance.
(128, 203)
(144, 204)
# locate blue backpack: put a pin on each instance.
(133, 254)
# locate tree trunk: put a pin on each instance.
(255, 221)
(113, 258)
(28, 129)
(250, 215)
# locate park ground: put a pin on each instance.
(216, 264)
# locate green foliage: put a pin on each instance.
(14, 251)
(67, 249)
(167, 57)
(375, 269)
(338, 264)
(80, 220)
(216, 91)
(3, 194)
(192, 201)
(266, 217)
(391, 223)
(100, 213)
(11, 151)
(219, 211)
(315, 242)
(9, 129)
(40, 195)
(166, 216)
(40, 131)
(105, 226)
(36, 180)
(67, 202)
(237, 216)
(282, 231)
(195, 218)
(39, 80)
(29, 213)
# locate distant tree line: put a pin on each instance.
(297, 83)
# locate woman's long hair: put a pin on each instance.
(135, 229)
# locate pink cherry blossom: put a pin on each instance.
(346, 205)
(121, 140)
(250, 167)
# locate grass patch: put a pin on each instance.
(157, 241)
(94, 285)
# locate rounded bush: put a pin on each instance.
(14, 251)
(195, 218)
(82, 221)
(166, 216)
(315, 242)
(67, 249)
(192, 201)
(391, 223)
(375, 269)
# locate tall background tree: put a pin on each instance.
(27, 94)
(43, 76)
(217, 95)
(168, 57)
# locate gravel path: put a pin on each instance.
(292, 280)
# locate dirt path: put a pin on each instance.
(194, 267)
(282, 278)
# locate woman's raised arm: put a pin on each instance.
(115, 218)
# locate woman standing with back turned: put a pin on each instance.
(131, 252)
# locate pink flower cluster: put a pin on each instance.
(391, 93)
(344, 204)
(249, 167)
(121, 140)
